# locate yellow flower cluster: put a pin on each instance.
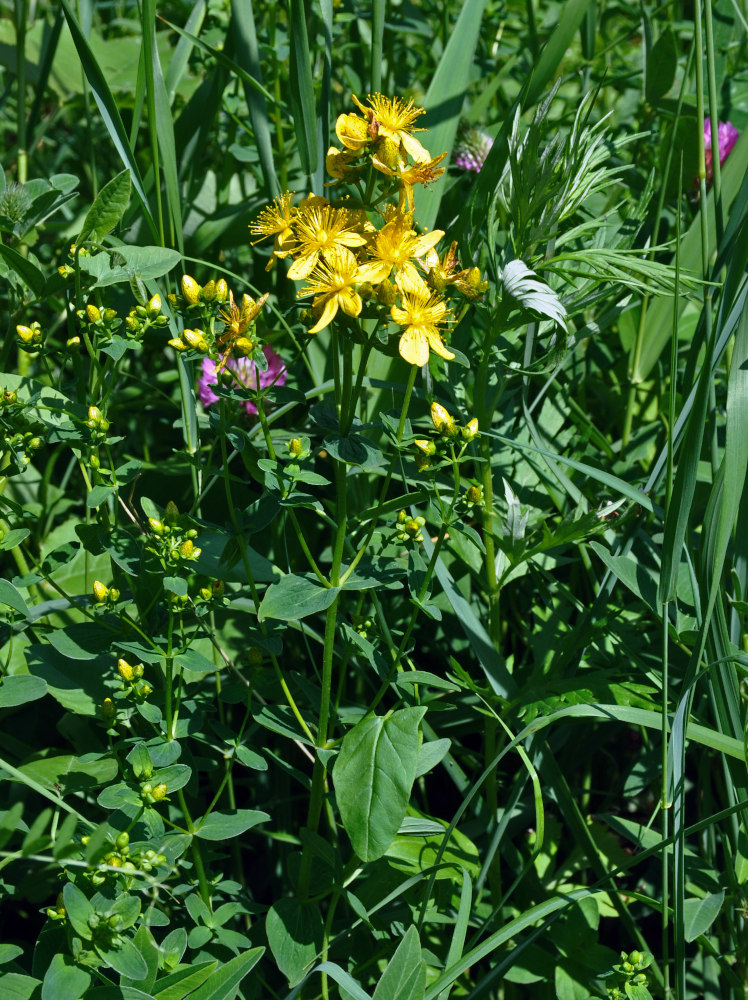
(347, 260)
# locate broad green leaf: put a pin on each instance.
(107, 211)
(26, 270)
(373, 775)
(296, 597)
(405, 976)
(14, 986)
(700, 914)
(294, 932)
(431, 754)
(662, 63)
(64, 980)
(8, 952)
(120, 264)
(417, 853)
(125, 959)
(224, 984)
(20, 689)
(78, 910)
(225, 826)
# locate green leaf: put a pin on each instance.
(301, 88)
(405, 976)
(700, 914)
(431, 754)
(117, 993)
(78, 910)
(125, 959)
(662, 63)
(17, 987)
(295, 597)
(64, 980)
(373, 776)
(445, 99)
(99, 494)
(119, 265)
(179, 984)
(8, 952)
(224, 826)
(20, 689)
(27, 271)
(532, 293)
(224, 984)
(354, 449)
(294, 932)
(107, 211)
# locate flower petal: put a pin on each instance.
(414, 347)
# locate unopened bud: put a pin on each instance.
(100, 591)
(29, 334)
(427, 447)
(387, 292)
(190, 290)
(209, 291)
(195, 339)
(107, 708)
(154, 306)
(474, 494)
(93, 315)
(125, 671)
(442, 420)
(295, 447)
(113, 595)
(470, 430)
(222, 290)
(159, 792)
(156, 526)
(95, 416)
(187, 548)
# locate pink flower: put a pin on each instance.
(246, 371)
(727, 136)
(471, 151)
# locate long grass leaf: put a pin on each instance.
(301, 86)
(444, 100)
(109, 112)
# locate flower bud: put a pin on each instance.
(109, 315)
(73, 343)
(159, 792)
(154, 306)
(442, 420)
(145, 690)
(113, 595)
(218, 588)
(107, 708)
(187, 549)
(138, 670)
(295, 447)
(474, 494)
(93, 314)
(387, 292)
(178, 345)
(125, 671)
(156, 526)
(470, 430)
(29, 334)
(122, 840)
(388, 151)
(222, 290)
(208, 291)
(9, 397)
(194, 339)
(95, 416)
(190, 290)
(171, 513)
(100, 591)
(427, 447)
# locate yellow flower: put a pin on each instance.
(275, 220)
(353, 132)
(411, 173)
(421, 313)
(238, 320)
(318, 231)
(395, 245)
(445, 270)
(332, 282)
(394, 119)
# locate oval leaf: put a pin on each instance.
(373, 775)
(700, 914)
(295, 597)
(224, 826)
(21, 688)
(295, 937)
(108, 209)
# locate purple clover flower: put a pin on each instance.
(471, 151)
(246, 372)
(727, 136)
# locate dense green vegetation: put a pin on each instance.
(374, 427)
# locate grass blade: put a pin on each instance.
(302, 88)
